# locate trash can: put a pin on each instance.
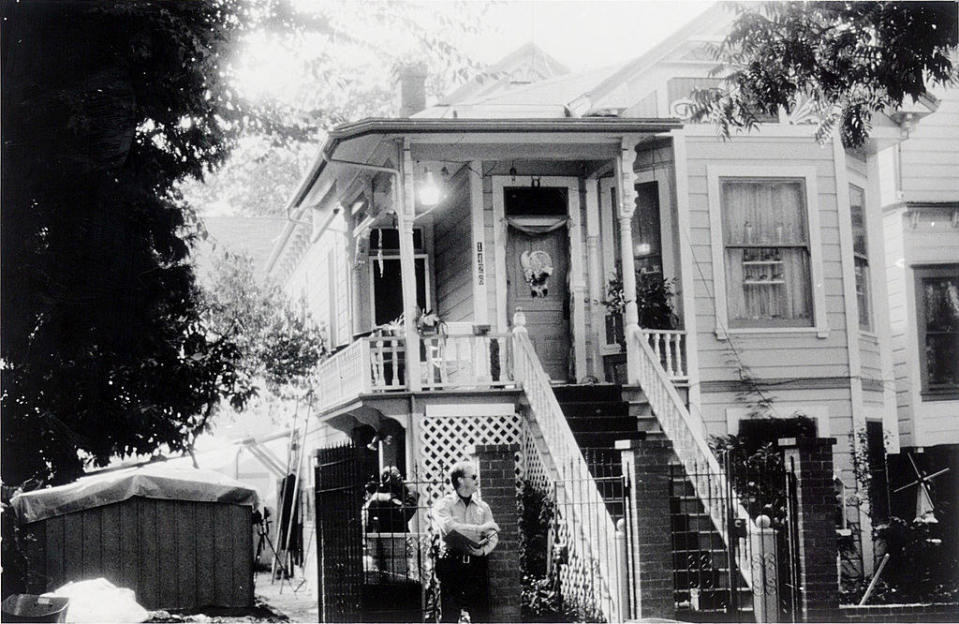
(34, 608)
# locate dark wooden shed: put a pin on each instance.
(178, 539)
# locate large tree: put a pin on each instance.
(850, 60)
(106, 105)
(109, 347)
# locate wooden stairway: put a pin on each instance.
(598, 416)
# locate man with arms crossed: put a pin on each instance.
(468, 534)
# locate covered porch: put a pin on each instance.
(451, 227)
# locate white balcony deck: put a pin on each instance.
(377, 364)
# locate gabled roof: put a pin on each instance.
(545, 89)
(525, 65)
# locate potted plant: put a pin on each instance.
(653, 304)
(428, 323)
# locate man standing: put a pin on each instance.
(468, 534)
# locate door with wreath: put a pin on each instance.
(537, 263)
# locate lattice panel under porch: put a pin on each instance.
(533, 469)
(578, 577)
(441, 441)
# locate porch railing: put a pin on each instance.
(452, 362)
(702, 468)
(669, 348)
(378, 364)
(563, 461)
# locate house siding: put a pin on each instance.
(930, 158)
(452, 261)
(763, 353)
(819, 365)
(933, 240)
(899, 320)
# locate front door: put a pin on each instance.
(536, 267)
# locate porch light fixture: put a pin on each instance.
(512, 172)
(429, 191)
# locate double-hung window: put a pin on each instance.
(937, 307)
(857, 210)
(766, 252)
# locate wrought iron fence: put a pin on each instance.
(706, 565)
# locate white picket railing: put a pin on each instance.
(564, 463)
(669, 348)
(343, 375)
(702, 467)
(466, 361)
(378, 364)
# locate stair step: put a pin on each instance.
(601, 423)
(588, 392)
(648, 424)
(606, 438)
(592, 409)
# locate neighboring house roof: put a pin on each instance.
(527, 64)
(546, 92)
(252, 236)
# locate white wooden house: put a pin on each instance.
(551, 184)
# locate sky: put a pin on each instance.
(584, 35)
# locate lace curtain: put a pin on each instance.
(767, 252)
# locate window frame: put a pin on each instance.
(870, 326)
(920, 274)
(807, 176)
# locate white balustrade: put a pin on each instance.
(702, 467)
(588, 524)
(465, 361)
(669, 349)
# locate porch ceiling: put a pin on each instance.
(369, 141)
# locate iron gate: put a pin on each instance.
(339, 532)
(707, 577)
(574, 560)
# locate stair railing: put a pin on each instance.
(586, 523)
(702, 468)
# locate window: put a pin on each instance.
(767, 252)
(857, 210)
(937, 311)
(647, 244)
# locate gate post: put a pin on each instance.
(810, 459)
(765, 571)
(497, 469)
(646, 466)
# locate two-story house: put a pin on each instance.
(516, 202)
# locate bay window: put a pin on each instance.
(767, 252)
(937, 311)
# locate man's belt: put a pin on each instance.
(462, 557)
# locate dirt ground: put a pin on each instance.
(276, 601)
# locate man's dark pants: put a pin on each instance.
(464, 584)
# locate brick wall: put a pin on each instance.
(902, 613)
(497, 469)
(811, 460)
(646, 464)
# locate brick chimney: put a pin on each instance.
(411, 87)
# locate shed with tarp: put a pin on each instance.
(179, 538)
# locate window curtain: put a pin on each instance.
(767, 252)
(941, 305)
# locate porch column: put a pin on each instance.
(596, 277)
(626, 207)
(404, 224)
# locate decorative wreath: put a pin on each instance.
(537, 267)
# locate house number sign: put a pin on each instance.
(480, 265)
